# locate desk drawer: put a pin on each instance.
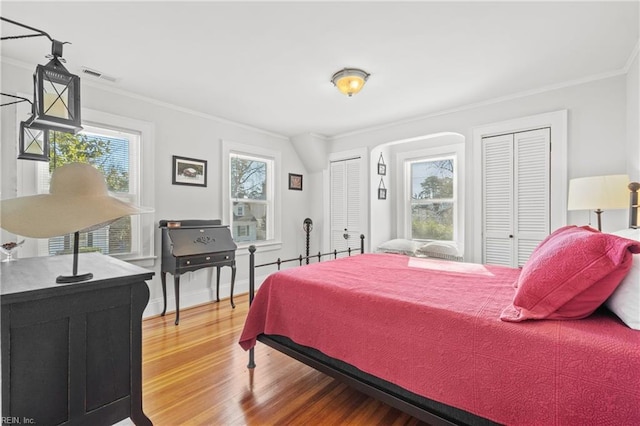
(205, 259)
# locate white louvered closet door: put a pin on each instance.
(345, 204)
(516, 206)
(532, 191)
(497, 206)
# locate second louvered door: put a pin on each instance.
(516, 206)
(346, 200)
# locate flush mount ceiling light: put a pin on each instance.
(350, 81)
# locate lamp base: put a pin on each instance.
(75, 278)
(598, 213)
(65, 279)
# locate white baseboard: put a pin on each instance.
(194, 298)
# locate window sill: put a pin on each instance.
(143, 261)
(243, 248)
(449, 242)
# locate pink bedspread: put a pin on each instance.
(433, 327)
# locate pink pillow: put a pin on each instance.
(544, 242)
(570, 274)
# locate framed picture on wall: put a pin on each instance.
(189, 171)
(295, 182)
(382, 167)
(382, 190)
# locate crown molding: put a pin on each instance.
(549, 88)
(121, 92)
(517, 95)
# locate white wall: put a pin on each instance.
(312, 150)
(633, 121)
(381, 212)
(184, 133)
(597, 134)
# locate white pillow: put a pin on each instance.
(439, 250)
(625, 300)
(399, 246)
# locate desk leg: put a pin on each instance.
(217, 283)
(163, 278)
(233, 281)
(176, 284)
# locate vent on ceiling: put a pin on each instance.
(97, 74)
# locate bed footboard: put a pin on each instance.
(252, 273)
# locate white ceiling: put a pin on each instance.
(268, 64)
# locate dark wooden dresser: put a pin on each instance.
(189, 245)
(72, 353)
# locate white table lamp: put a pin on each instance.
(599, 193)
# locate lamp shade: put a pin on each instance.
(350, 81)
(599, 192)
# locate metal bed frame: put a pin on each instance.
(429, 411)
(279, 262)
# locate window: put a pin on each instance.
(250, 180)
(250, 199)
(432, 198)
(432, 185)
(115, 146)
(242, 231)
(111, 152)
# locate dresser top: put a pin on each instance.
(35, 277)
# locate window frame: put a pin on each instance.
(274, 229)
(404, 161)
(143, 180)
(430, 201)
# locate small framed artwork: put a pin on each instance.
(382, 168)
(382, 190)
(295, 182)
(189, 171)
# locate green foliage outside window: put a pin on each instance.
(432, 222)
(98, 151)
(432, 200)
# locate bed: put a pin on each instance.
(446, 342)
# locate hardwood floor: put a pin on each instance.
(196, 374)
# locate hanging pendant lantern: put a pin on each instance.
(34, 142)
(57, 95)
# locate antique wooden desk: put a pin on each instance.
(71, 353)
(189, 245)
